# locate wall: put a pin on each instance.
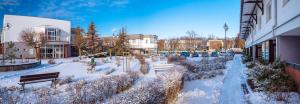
(289, 48)
(19, 23)
(287, 19)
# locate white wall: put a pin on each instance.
(284, 14)
(19, 23)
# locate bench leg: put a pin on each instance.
(23, 87)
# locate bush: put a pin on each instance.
(204, 69)
(272, 78)
(66, 80)
(144, 68)
(172, 59)
(157, 91)
(250, 65)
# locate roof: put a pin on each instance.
(248, 16)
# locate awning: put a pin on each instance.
(248, 16)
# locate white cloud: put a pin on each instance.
(4, 3)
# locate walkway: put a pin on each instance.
(231, 92)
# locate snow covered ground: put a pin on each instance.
(66, 67)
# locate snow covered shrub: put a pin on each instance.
(271, 78)
(246, 58)
(172, 59)
(250, 64)
(157, 91)
(154, 58)
(9, 95)
(173, 83)
(110, 71)
(151, 92)
(51, 61)
(144, 68)
(66, 80)
(118, 61)
(204, 69)
(98, 90)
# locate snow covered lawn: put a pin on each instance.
(66, 67)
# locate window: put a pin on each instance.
(284, 2)
(269, 11)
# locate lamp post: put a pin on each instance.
(226, 29)
(225, 43)
(6, 27)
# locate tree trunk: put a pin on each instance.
(110, 53)
(79, 52)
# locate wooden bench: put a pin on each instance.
(35, 78)
(162, 67)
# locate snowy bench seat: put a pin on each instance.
(162, 67)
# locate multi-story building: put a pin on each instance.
(143, 43)
(138, 43)
(57, 36)
(272, 31)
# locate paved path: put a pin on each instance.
(231, 92)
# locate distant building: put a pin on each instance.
(143, 43)
(214, 45)
(56, 31)
(138, 43)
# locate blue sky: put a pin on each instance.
(165, 18)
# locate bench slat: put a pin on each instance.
(39, 77)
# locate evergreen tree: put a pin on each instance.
(93, 42)
(122, 44)
(10, 51)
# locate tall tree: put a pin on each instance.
(79, 39)
(239, 43)
(122, 44)
(192, 40)
(161, 45)
(91, 34)
(34, 39)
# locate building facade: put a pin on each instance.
(143, 43)
(272, 31)
(57, 33)
(138, 43)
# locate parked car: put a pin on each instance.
(214, 54)
(222, 53)
(185, 54)
(205, 54)
(195, 54)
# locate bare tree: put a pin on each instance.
(33, 39)
(79, 40)
(174, 43)
(192, 40)
(161, 45)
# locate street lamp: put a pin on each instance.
(6, 27)
(226, 29)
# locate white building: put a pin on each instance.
(56, 31)
(140, 42)
(271, 29)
